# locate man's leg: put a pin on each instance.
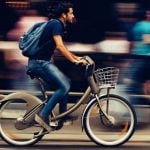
(63, 84)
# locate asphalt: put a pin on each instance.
(75, 133)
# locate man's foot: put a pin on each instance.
(56, 125)
(42, 122)
(53, 124)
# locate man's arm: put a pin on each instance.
(61, 47)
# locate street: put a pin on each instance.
(76, 145)
(71, 137)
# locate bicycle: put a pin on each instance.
(102, 119)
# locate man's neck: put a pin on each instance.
(62, 20)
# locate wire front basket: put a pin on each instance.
(106, 77)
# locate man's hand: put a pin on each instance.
(80, 60)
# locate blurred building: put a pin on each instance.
(101, 31)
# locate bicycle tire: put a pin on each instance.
(106, 133)
(10, 111)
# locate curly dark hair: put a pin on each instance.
(57, 8)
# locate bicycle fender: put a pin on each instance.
(30, 99)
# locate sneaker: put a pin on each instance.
(56, 125)
(42, 122)
(53, 124)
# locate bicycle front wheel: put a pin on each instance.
(12, 129)
(113, 124)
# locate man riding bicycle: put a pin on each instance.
(42, 65)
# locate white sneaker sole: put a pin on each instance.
(42, 123)
(53, 124)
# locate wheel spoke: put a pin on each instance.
(110, 127)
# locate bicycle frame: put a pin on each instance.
(35, 102)
(84, 97)
(92, 89)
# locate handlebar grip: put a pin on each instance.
(90, 67)
(89, 60)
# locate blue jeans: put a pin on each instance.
(50, 73)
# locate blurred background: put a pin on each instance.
(104, 30)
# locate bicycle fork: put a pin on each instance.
(102, 112)
(105, 113)
(107, 104)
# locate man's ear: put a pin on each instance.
(63, 15)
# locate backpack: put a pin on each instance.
(29, 41)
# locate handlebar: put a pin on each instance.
(89, 60)
(90, 67)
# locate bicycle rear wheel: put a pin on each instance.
(12, 129)
(116, 128)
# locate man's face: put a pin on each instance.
(70, 16)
